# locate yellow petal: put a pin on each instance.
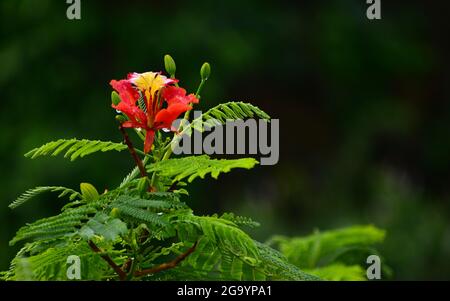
(149, 81)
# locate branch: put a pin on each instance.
(127, 265)
(167, 265)
(122, 275)
(133, 151)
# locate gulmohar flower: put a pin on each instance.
(155, 90)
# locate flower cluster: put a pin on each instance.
(151, 101)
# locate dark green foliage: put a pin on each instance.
(278, 267)
(332, 255)
(104, 226)
(352, 134)
(134, 231)
(153, 227)
(57, 226)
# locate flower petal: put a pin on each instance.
(150, 81)
(166, 117)
(133, 112)
(149, 137)
(126, 91)
(178, 95)
(132, 124)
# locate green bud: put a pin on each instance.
(115, 98)
(205, 71)
(121, 118)
(169, 63)
(89, 192)
(142, 185)
(114, 212)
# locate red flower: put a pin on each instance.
(155, 90)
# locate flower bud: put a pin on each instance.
(115, 98)
(142, 185)
(170, 66)
(114, 212)
(121, 118)
(89, 192)
(205, 71)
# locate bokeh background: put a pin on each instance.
(363, 106)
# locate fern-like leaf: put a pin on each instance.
(105, 226)
(51, 263)
(74, 148)
(56, 226)
(278, 268)
(227, 112)
(147, 210)
(308, 251)
(133, 174)
(240, 220)
(31, 193)
(198, 166)
(224, 249)
(340, 272)
(141, 214)
(227, 253)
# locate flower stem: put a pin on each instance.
(122, 275)
(133, 151)
(140, 134)
(167, 265)
(199, 89)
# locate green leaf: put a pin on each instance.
(64, 224)
(133, 174)
(277, 267)
(223, 249)
(234, 111)
(89, 192)
(51, 263)
(309, 251)
(339, 272)
(147, 210)
(74, 148)
(224, 112)
(198, 166)
(240, 220)
(31, 193)
(105, 226)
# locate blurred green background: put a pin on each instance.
(363, 106)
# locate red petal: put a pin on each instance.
(126, 91)
(166, 117)
(149, 137)
(192, 98)
(132, 124)
(178, 95)
(134, 113)
(173, 92)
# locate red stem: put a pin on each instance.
(133, 152)
(167, 265)
(122, 275)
